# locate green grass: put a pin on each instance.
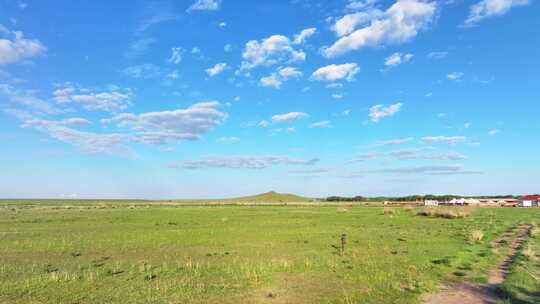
(239, 254)
(522, 286)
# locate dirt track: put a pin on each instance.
(472, 293)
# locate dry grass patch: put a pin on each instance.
(477, 236)
(448, 213)
(388, 211)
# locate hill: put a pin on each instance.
(271, 197)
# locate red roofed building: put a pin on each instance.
(529, 200)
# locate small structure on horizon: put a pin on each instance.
(529, 201)
(431, 203)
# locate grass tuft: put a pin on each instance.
(477, 236)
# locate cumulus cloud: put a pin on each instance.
(247, 162)
(14, 47)
(304, 35)
(270, 51)
(451, 140)
(398, 24)
(205, 5)
(176, 55)
(291, 116)
(378, 112)
(490, 8)
(172, 126)
(216, 69)
(321, 124)
(281, 75)
(271, 81)
(110, 101)
(335, 72)
(397, 59)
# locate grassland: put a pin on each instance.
(241, 254)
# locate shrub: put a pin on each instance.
(477, 236)
(426, 212)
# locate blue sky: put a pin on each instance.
(208, 98)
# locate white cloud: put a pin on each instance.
(355, 5)
(289, 117)
(398, 24)
(321, 124)
(434, 170)
(378, 112)
(33, 105)
(494, 132)
(335, 72)
(74, 121)
(15, 48)
(413, 154)
(397, 59)
(269, 51)
(222, 24)
(110, 101)
(451, 140)
(171, 126)
(337, 96)
(490, 8)
(263, 124)
(143, 71)
(281, 75)
(272, 81)
(393, 142)
(216, 69)
(301, 37)
(205, 5)
(176, 55)
(247, 162)
(88, 142)
(334, 85)
(195, 50)
(347, 24)
(437, 55)
(455, 76)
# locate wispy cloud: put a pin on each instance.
(247, 162)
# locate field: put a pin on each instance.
(248, 254)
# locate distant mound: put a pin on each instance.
(272, 197)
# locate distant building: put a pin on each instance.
(529, 201)
(431, 203)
